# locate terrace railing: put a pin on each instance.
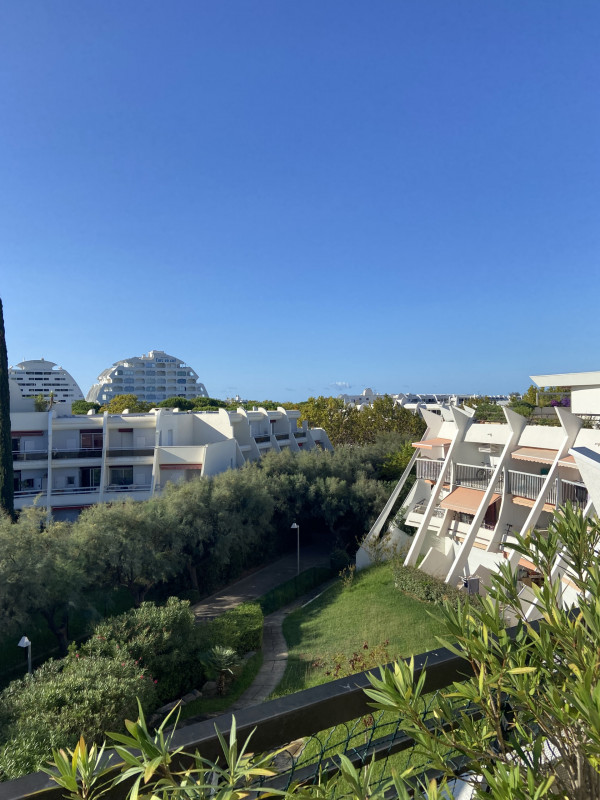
(476, 477)
(330, 719)
(428, 470)
(523, 484)
(575, 493)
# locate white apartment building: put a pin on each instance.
(152, 378)
(46, 378)
(66, 463)
(479, 483)
(414, 402)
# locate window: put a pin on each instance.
(89, 477)
(91, 440)
(121, 476)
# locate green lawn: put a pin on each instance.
(342, 620)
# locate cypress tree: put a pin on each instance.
(7, 493)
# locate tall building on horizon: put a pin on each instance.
(152, 378)
(46, 378)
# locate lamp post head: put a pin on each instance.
(24, 642)
(294, 526)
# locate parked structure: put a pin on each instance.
(66, 463)
(152, 378)
(46, 378)
(478, 483)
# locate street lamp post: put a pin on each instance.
(296, 527)
(24, 642)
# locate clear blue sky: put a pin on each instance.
(296, 197)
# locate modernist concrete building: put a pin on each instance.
(152, 378)
(45, 377)
(414, 402)
(478, 483)
(66, 462)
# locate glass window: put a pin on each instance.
(121, 476)
(90, 440)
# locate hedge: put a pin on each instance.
(241, 628)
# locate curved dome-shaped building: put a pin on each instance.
(45, 377)
(152, 378)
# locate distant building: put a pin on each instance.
(46, 378)
(151, 378)
(414, 402)
(67, 462)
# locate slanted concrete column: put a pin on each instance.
(516, 423)
(103, 467)
(462, 420)
(434, 423)
(571, 426)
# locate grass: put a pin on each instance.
(220, 704)
(342, 620)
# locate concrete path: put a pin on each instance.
(275, 652)
(259, 582)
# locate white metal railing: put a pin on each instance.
(476, 477)
(523, 484)
(428, 470)
(30, 455)
(26, 492)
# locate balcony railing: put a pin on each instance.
(80, 452)
(77, 490)
(428, 470)
(299, 434)
(281, 437)
(575, 493)
(476, 477)
(30, 455)
(523, 484)
(262, 438)
(129, 452)
(130, 487)
(29, 492)
(333, 718)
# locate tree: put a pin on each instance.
(528, 721)
(207, 403)
(41, 572)
(129, 544)
(83, 406)
(120, 402)
(7, 488)
(183, 403)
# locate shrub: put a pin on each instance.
(78, 695)
(162, 638)
(416, 583)
(240, 629)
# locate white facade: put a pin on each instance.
(66, 463)
(479, 483)
(152, 378)
(45, 377)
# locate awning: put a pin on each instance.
(540, 455)
(465, 500)
(428, 444)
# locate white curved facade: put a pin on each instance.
(45, 377)
(152, 378)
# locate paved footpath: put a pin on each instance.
(275, 653)
(259, 583)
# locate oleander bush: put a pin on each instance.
(77, 695)
(163, 638)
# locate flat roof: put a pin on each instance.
(568, 379)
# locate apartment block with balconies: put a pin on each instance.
(67, 463)
(476, 484)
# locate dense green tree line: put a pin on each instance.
(195, 536)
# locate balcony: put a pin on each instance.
(77, 490)
(129, 487)
(428, 470)
(129, 452)
(299, 434)
(523, 484)
(282, 437)
(574, 492)
(476, 477)
(82, 452)
(262, 438)
(30, 455)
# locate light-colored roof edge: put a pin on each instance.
(568, 379)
